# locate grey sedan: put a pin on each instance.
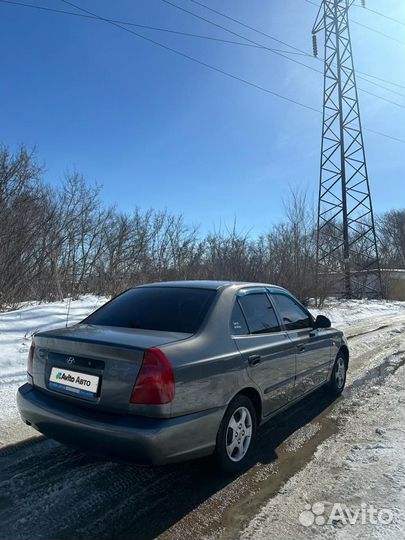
(170, 371)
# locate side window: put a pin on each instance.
(259, 312)
(238, 322)
(293, 316)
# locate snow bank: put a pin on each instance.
(17, 327)
(345, 313)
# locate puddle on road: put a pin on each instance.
(288, 464)
(284, 445)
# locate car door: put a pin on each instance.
(269, 354)
(312, 346)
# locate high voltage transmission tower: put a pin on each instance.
(347, 254)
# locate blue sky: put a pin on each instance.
(157, 130)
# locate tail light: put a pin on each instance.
(31, 353)
(155, 381)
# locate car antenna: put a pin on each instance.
(68, 311)
(69, 302)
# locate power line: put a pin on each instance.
(213, 68)
(196, 60)
(292, 46)
(365, 26)
(381, 97)
(383, 134)
(287, 44)
(235, 77)
(247, 26)
(377, 32)
(146, 27)
(381, 79)
(212, 23)
(210, 38)
(380, 14)
(364, 78)
(278, 53)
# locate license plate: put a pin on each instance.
(81, 384)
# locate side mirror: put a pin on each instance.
(322, 322)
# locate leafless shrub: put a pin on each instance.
(62, 242)
(391, 235)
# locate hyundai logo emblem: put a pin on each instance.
(70, 360)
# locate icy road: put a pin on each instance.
(316, 455)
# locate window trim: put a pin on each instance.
(257, 290)
(297, 303)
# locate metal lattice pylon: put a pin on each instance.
(346, 242)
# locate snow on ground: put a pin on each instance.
(354, 486)
(345, 313)
(16, 329)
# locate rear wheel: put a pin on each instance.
(236, 435)
(338, 377)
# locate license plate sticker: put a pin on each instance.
(81, 384)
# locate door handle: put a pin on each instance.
(254, 359)
(301, 348)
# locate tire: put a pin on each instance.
(338, 378)
(236, 435)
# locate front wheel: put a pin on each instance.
(338, 377)
(236, 435)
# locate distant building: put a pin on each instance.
(394, 283)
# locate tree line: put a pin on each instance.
(57, 242)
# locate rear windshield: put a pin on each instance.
(170, 309)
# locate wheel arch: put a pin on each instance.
(254, 396)
(344, 350)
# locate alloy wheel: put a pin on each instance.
(239, 434)
(340, 372)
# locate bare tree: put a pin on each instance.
(391, 235)
(59, 242)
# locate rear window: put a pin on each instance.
(169, 309)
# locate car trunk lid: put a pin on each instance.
(96, 366)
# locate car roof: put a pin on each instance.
(207, 284)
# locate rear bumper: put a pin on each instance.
(144, 440)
